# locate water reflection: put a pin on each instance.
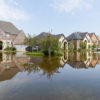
(11, 64)
(83, 60)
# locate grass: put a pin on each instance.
(40, 53)
(58, 53)
(34, 53)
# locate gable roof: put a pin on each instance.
(91, 34)
(8, 27)
(58, 36)
(42, 35)
(45, 34)
(77, 36)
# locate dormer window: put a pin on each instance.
(8, 36)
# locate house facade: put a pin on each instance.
(10, 36)
(79, 37)
(62, 39)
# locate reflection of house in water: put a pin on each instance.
(83, 60)
(10, 66)
(20, 59)
(98, 59)
(63, 59)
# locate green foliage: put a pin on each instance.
(94, 45)
(31, 40)
(89, 46)
(71, 46)
(10, 49)
(35, 53)
(49, 45)
(83, 45)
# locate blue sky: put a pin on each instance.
(62, 16)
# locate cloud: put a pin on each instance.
(71, 6)
(11, 10)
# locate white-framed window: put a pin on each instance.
(7, 35)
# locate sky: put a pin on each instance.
(56, 16)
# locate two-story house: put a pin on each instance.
(10, 36)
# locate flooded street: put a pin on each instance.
(74, 76)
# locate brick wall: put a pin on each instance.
(19, 40)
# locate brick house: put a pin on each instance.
(78, 37)
(10, 36)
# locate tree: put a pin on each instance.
(83, 45)
(31, 40)
(71, 46)
(94, 45)
(49, 44)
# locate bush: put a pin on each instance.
(10, 49)
(47, 53)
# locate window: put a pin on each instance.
(8, 44)
(8, 35)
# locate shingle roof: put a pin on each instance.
(8, 27)
(77, 36)
(90, 34)
(58, 36)
(44, 34)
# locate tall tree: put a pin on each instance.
(31, 40)
(50, 44)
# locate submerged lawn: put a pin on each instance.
(40, 53)
(34, 53)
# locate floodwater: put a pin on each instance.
(74, 76)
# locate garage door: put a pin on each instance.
(20, 47)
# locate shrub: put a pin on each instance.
(10, 49)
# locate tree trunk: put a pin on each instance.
(49, 53)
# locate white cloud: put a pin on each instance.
(11, 10)
(70, 6)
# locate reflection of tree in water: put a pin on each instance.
(48, 66)
(31, 67)
(83, 56)
(71, 56)
(0, 57)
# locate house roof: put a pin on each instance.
(90, 34)
(44, 34)
(58, 36)
(8, 27)
(77, 36)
